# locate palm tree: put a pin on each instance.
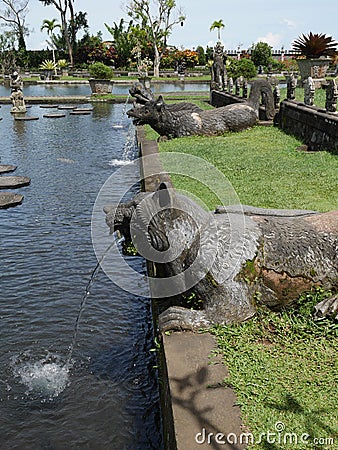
(50, 26)
(219, 25)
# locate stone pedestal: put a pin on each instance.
(314, 68)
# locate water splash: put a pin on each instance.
(119, 162)
(128, 149)
(46, 377)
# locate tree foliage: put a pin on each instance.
(217, 24)
(125, 38)
(7, 52)
(13, 13)
(243, 67)
(157, 22)
(261, 54)
(201, 55)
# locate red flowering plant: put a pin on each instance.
(104, 53)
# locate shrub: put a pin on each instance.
(100, 71)
(201, 56)
(243, 67)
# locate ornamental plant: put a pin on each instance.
(47, 65)
(315, 45)
(62, 63)
(100, 71)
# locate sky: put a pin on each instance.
(277, 22)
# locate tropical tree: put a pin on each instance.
(63, 6)
(217, 24)
(13, 13)
(78, 21)
(50, 26)
(157, 22)
(125, 40)
(261, 54)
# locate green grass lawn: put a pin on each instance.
(284, 370)
(264, 168)
(282, 366)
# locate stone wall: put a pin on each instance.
(314, 126)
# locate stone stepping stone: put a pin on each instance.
(83, 109)
(54, 116)
(8, 199)
(14, 182)
(66, 107)
(4, 168)
(26, 118)
(80, 112)
(49, 106)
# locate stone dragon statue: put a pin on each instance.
(186, 119)
(231, 257)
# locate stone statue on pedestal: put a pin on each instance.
(218, 71)
(16, 97)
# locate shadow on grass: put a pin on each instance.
(311, 419)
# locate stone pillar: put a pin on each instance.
(309, 91)
(331, 97)
(291, 87)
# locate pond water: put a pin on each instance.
(107, 398)
(40, 90)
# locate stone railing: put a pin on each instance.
(317, 128)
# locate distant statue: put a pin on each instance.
(230, 85)
(245, 89)
(309, 91)
(276, 96)
(16, 97)
(241, 84)
(218, 70)
(291, 87)
(331, 97)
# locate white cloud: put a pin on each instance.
(274, 40)
(289, 23)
